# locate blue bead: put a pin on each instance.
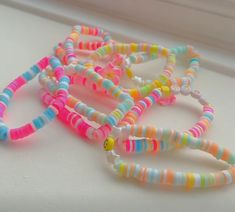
(65, 79)
(35, 69)
(138, 145)
(8, 92)
(107, 84)
(156, 175)
(194, 60)
(27, 76)
(38, 122)
(54, 62)
(3, 133)
(132, 58)
(50, 114)
(63, 86)
(4, 100)
(111, 120)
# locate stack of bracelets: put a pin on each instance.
(99, 64)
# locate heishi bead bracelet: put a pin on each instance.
(49, 114)
(66, 50)
(167, 176)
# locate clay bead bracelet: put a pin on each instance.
(66, 51)
(190, 72)
(167, 176)
(49, 114)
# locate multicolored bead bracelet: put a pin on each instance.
(49, 114)
(167, 176)
(66, 50)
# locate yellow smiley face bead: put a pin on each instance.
(109, 144)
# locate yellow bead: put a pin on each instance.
(134, 47)
(129, 73)
(165, 91)
(157, 83)
(190, 180)
(108, 49)
(154, 49)
(165, 52)
(122, 168)
(74, 36)
(109, 144)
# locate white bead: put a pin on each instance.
(112, 156)
(196, 94)
(185, 90)
(203, 101)
(175, 89)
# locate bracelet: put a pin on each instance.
(76, 122)
(167, 176)
(49, 114)
(90, 113)
(186, 80)
(66, 51)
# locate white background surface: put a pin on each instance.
(54, 170)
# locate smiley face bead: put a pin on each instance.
(109, 144)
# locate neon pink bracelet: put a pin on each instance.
(114, 117)
(49, 114)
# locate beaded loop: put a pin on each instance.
(169, 177)
(66, 51)
(49, 114)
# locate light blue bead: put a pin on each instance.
(38, 122)
(8, 92)
(27, 76)
(107, 84)
(137, 170)
(50, 114)
(4, 100)
(3, 133)
(157, 175)
(35, 69)
(138, 146)
(111, 120)
(54, 62)
(89, 112)
(132, 58)
(150, 175)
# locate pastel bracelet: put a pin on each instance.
(152, 50)
(186, 80)
(167, 176)
(66, 51)
(49, 114)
